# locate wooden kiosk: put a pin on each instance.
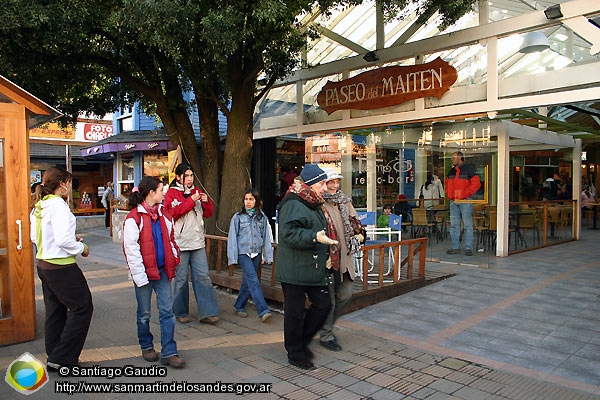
(19, 111)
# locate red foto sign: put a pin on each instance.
(95, 132)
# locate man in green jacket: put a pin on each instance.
(302, 253)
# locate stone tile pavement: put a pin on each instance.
(527, 327)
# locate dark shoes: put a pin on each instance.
(55, 368)
(150, 355)
(332, 345)
(302, 364)
(52, 368)
(468, 252)
(309, 353)
(453, 251)
(212, 320)
(173, 361)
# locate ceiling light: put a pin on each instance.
(553, 12)
(534, 42)
(370, 57)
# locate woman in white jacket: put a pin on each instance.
(67, 297)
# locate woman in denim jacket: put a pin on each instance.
(249, 237)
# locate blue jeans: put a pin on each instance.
(166, 318)
(464, 211)
(250, 286)
(203, 290)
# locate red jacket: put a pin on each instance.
(138, 246)
(462, 182)
(189, 224)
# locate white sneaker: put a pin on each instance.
(266, 317)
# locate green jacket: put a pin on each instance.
(300, 258)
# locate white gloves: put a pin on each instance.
(323, 238)
(360, 238)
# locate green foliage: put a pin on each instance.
(95, 56)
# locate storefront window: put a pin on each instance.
(380, 165)
(156, 163)
(125, 174)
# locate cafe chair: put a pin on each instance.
(375, 235)
(532, 222)
(587, 215)
(555, 221)
(441, 218)
(481, 225)
(421, 223)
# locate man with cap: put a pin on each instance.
(338, 210)
(302, 253)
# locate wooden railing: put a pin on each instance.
(415, 246)
(88, 211)
(216, 249)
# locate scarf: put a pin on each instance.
(306, 193)
(340, 199)
(334, 250)
(250, 211)
(187, 191)
(152, 211)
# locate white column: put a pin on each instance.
(503, 186)
(371, 173)
(492, 72)
(577, 186)
(346, 163)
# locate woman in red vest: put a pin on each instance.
(152, 257)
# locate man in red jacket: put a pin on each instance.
(462, 183)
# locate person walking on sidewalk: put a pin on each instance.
(189, 205)
(302, 254)
(152, 257)
(339, 211)
(67, 297)
(107, 196)
(462, 182)
(248, 241)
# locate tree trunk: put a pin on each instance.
(180, 131)
(238, 154)
(212, 158)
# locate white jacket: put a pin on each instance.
(55, 235)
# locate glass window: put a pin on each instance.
(124, 174)
(156, 163)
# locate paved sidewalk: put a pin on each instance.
(528, 327)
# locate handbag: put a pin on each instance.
(358, 228)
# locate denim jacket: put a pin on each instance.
(247, 235)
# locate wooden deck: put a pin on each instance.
(375, 285)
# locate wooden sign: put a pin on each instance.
(388, 86)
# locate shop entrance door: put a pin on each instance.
(17, 289)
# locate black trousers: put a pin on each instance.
(69, 309)
(299, 324)
(107, 217)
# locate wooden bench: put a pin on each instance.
(88, 211)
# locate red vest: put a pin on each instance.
(146, 242)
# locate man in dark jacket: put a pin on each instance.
(302, 253)
(462, 183)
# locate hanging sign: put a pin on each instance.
(388, 86)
